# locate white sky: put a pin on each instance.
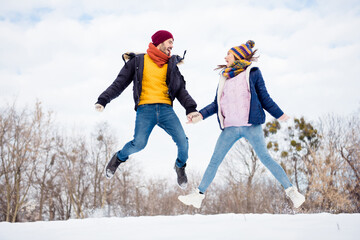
(65, 53)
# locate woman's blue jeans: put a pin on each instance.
(163, 115)
(254, 134)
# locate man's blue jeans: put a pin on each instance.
(254, 134)
(163, 115)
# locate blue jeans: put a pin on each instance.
(254, 134)
(163, 115)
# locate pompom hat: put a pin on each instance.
(244, 50)
(161, 36)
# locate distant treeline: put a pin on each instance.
(46, 174)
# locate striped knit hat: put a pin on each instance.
(244, 50)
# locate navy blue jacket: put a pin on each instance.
(260, 100)
(133, 72)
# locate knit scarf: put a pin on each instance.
(237, 67)
(157, 56)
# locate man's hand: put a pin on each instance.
(194, 117)
(99, 107)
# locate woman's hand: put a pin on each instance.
(284, 118)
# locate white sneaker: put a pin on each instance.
(194, 198)
(297, 198)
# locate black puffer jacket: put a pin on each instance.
(133, 72)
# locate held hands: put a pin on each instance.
(194, 117)
(284, 118)
(99, 107)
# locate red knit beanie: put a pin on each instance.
(160, 37)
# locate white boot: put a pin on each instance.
(297, 198)
(194, 198)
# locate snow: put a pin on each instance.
(222, 226)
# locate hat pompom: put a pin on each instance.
(251, 43)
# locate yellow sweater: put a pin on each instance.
(154, 88)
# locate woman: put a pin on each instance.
(239, 103)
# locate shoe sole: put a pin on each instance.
(182, 186)
(301, 203)
(188, 204)
(108, 174)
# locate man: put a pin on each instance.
(157, 82)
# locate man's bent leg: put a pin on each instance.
(144, 124)
(171, 124)
(168, 121)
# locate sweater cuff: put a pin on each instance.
(278, 114)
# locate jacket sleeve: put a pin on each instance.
(121, 82)
(266, 101)
(184, 97)
(210, 109)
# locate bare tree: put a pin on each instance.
(73, 154)
(19, 154)
(102, 149)
(349, 149)
(334, 171)
(44, 137)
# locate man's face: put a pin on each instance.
(166, 46)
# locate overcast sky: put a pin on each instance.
(66, 53)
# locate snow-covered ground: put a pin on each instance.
(188, 227)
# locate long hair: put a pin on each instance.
(250, 58)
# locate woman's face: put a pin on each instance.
(230, 59)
